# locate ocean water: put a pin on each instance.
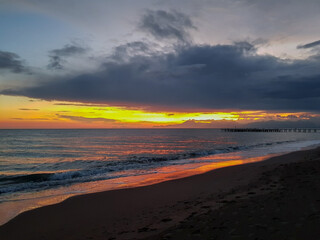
(41, 167)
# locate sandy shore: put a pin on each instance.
(275, 199)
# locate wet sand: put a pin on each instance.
(274, 199)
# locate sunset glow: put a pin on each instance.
(22, 112)
(183, 65)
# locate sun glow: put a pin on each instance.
(22, 112)
(136, 115)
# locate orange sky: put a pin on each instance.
(22, 112)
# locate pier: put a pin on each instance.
(299, 130)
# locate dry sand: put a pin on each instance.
(275, 199)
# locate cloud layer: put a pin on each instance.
(194, 76)
(185, 75)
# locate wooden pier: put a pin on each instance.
(298, 130)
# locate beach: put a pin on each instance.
(159, 120)
(278, 198)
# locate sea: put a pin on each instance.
(43, 167)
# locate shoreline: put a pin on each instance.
(29, 204)
(11, 209)
(140, 212)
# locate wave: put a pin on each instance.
(103, 170)
(37, 177)
(28, 154)
(200, 153)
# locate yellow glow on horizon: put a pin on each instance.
(134, 115)
(20, 112)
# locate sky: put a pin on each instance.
(159, 63)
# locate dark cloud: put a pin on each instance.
(309, 45)
(205, 124)
(79, 104)
(29, 109)
(126, 51)
(57, 56)
(32, 119)
(12, 62)
(85, 119)
(167, 25)
(192, 77)
(55, 62)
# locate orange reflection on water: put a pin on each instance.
(180, 171)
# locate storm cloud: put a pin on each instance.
(310, 45)
(167, 25)
(12, 62)
(57, 56)
(230, 76)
